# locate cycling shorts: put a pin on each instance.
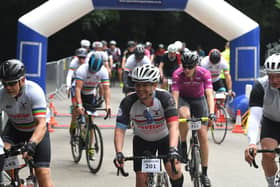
(141, 146)
(198, 106)
(42, 156)
(219, 86)
(88, 99)
(270, 129)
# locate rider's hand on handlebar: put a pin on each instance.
(231, 93)
(250, 153)
(173, 154)
(212, 117)
(80, 110)
(119, 160)
(30, 149)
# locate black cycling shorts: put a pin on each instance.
(141, 146)
(219, 84)
(198, 106)
(42, 156)
(270, 129)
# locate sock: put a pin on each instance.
(204, 170)
(270, 181)
(177, 182)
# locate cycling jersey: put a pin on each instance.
(263, 95)
(116, 54)
(91, 80)
(74, 64)
(193, 87)
(23, 110)
(215, 69)
(131, 62)
(150, 123)
(127, 53)
(169, 66)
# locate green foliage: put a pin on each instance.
(277, 4)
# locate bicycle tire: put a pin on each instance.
(76, 143)
(94, 164)
(220, 125)
(196, 167)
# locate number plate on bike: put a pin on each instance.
(150, 165)
(195, 125)
(11, 163)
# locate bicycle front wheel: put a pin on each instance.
(196, 167)
(76, 143)
(94, 148)
(220, 126)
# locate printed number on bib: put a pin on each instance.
(195, 125)
(150, 165)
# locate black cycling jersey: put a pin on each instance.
(169, 66)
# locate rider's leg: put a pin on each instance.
(184, 112)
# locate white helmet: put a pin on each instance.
(145, 73)
(172, 48)
(85, 43)
(272, 63)
(97, 44)
(179, 45)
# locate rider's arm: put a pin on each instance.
(78, 88)
(175, 88)
(69, 78)
(173, 133)
(228, 81)
(254, 123)
(161, 64)
(210, 99)
(175, 94)
(119, 139)
(39, 131)
(107, 95)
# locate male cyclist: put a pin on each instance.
(264, 117)
(193, 93)
(78, 60)
(215, 63)
(155, 120)
(25, 105)
(116, 58)
(169, 63)
(85, 44)
(134, 60)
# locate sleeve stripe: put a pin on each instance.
(172, 118)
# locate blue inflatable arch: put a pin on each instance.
(35, 27)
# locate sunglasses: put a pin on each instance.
(189, 66)
(149, 117)
(9, 83)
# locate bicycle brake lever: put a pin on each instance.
(251, 152)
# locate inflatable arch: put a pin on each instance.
(243, 33)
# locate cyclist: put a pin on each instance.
(159, 54)
(79, 59)
(129, 51)
(85, 44)
(150, 51)
(87, 78)
(215, 63)
(169, 63)
(193, 92)
(116, 58)
(134, 60)
(25, 105)
(264, 116)
(155, 119)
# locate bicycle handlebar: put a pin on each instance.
(91, 107)
(251, 151)
(193, 119)
(125, 174)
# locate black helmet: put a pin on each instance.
(81, 52)
(95, 62)
(214, 56)
(139, 51)
(189, 59)
(131, 43)
(12, 70)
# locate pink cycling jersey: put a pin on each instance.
(191, 88)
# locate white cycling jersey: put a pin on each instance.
(74, 65)
(23, 110)
(91, 80)
(215, 69)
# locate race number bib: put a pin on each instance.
(169, 81)
(11, 163)
(150, 165)
(195, 125)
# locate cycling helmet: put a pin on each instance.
(139, 51)
(214, 56)
(272, 63)
(179, 45)
(145, 73)
(148, 44)
(172, 48)
(189, 59)
(12, 70)
(161, 46)
(97, 44)
(95, 62)
(85, 43)
(113, 42)
(104, 42)
(131, 43)
(81, 52)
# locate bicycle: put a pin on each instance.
(152, 165)
(219, 127)
(87, 136)
(194, 164)
(276, 151)
(10, 176)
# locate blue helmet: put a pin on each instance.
(95, 62)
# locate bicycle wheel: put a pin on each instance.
(162, 180)
(76, 143)
(94, 148)
(196, 167)
(220, 126)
